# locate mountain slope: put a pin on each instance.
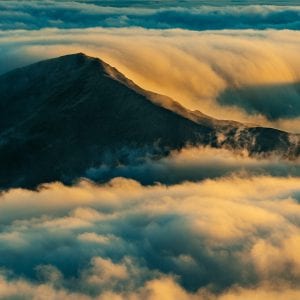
(61, 116)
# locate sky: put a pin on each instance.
(202, 223)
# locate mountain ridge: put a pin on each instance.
(61, 116)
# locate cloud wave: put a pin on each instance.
(247, 76)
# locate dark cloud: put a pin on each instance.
(265, 99)
(189, 164)
(199, 16)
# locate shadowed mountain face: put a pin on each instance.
(62, 116)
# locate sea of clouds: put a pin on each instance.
(205, 224)
(227, 238)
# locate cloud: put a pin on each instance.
(79, 14)
(262, 99)
(163, 288)
(247, 76)
(190, 164)
(223, 238)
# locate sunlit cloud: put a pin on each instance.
(247, 76)
(235, 234)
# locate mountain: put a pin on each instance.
(61, 116)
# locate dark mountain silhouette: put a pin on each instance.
(61, 116)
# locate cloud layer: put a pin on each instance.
(190, 164)
(185, 15)
(236, 233)
(247, 76)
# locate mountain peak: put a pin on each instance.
(79, 57)
(71, 113)
(75, 59)
(80, 54)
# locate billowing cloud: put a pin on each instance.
(162, 288)
(220, 238)
(247, 76)
(163, 15)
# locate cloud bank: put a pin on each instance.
(193, 16)
(249, 76)
(189, 164)
(229, 238)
